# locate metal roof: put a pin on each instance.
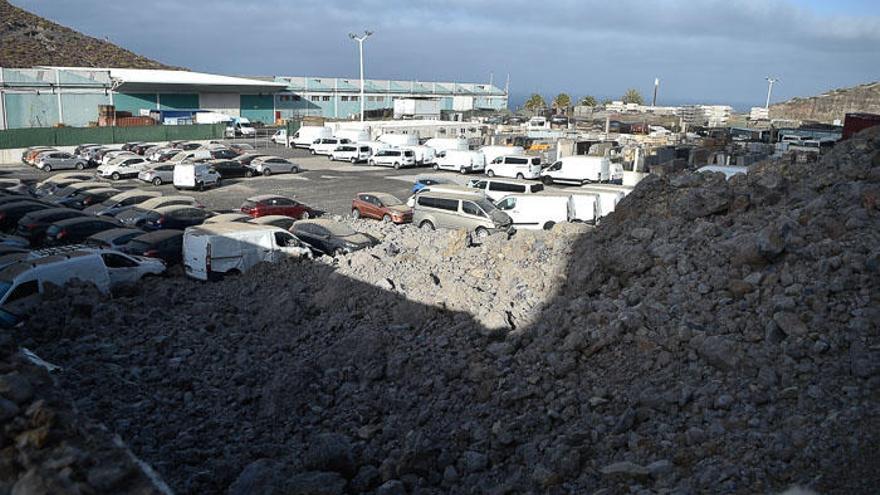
(133, 80)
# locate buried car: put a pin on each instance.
(331, 238)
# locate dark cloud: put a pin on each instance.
(709, 50)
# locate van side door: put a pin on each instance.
(287, 246)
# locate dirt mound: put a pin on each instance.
(709, 336)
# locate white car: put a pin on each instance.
(517, 166)
(394, 158)
(123, 168)
(353, 153)
(112, 155)
(268, 165)
(325, 146)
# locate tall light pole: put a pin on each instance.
(770, 82)
(360, 41)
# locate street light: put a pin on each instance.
(770, 82)
(360, 40)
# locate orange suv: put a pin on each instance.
(381, 206)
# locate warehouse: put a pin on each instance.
(334, 97)
(48, 96)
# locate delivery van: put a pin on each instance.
(195, 176)
(493, 152)
(582, 169)
(460, 161)
(398, 140)
(305, 136)
(447, 144)
(537, 211)
(517, 166)
(210, 250)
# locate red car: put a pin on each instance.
(270, 204)
(380, 206)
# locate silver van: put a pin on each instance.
(459, 211)
(496, 188)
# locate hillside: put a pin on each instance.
(831, 105)
(27, 40)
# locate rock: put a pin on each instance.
(366, 479)
(719, 352)
(626, 469)
(315, 483)
(263, 476)
(330, 452)
(106, 477)
(790, 323)
(8, 410)
(391, 487)
(16, 388)
(642, 234)
(474, 461)
(32, 483)
(660, 468)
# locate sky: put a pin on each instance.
(703, 51)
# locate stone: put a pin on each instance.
(263, 476)
(474, 461)
(642, 234)
(626, 469)
(391, 487)
(660, 468)
(107, 476)
(330, 452)
(16, 388)
(315, 483)
(790, 323)
(8, 410)
(366, 478)
(720, 352)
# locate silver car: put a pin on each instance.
(459, 211)
(268, 165)
(60, 160)
(158, 174)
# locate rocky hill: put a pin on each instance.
(832, 105)
(27, 40)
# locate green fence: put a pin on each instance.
(69, 136)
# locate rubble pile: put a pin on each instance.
(709, 336)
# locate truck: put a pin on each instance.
(211, 250)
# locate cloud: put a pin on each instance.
(703, 50)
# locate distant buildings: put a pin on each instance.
(706, 115)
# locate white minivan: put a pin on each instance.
(306, 135)
(492, 152)
(353, 153)
(425, 155)
(580, 169)
(212, 249)
(515, 166)
(537, 211)
(460, 161)
(195, 176)
(496, 189)
(448, 144)
(393, 157)
(399, 139)
(325, 146)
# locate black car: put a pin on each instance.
(141, 148)
(167, 245)
(230, 168)
(88, 198)
(329, 237)
(11, 213)
(114, 238)
(130, 146)
(247, 158)
(175, 217)
(33, 225)
(224, 154)
(77, 229)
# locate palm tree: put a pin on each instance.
(562, 102)
(633, 96)
(589, 101)
(535, 103)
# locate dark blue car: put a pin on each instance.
(423, 182)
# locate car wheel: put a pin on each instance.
(549, 225)
(396, 166)
(80, 166)
(372, 163)
(312, 151)
(386, 218)
(520, 176)
(200, 186)
(267, 172)
(355, 213)
(329, 158)
(490, 173)
(157, 181)
(115, 176)
(217, 184)
(47, 168)
(436, 167)
(547, 180)
(426, 225)
(353, 161)
(249, 173)
(463, 170)
(305, 215)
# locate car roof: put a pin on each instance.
(170, 208)
(268, 157)
(36, 215)
(509, 181)
(333, 226)
(227, 227)
(159, 199)
(75, 220)
(520, 156)
(20, 267)
(158, 235)
(101, 190)
(451, 189)
(264, 197)
(267, 219)
(224, 217)
(136, 192)
(446, 195)
(114, 233)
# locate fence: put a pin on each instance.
(68, 136)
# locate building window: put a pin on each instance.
(314, 98)
(295, 97)
(355, 98)
(345, 98)
(325, 98)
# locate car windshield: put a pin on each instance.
(138, 246)
(485, 204)
(388, 200)
(339, 230)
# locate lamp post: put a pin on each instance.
(360, 41)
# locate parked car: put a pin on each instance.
(163, 155)
(11, 213)
(581, 170)
(228, 217)
(120, 202)
(496, 189)
(135, 216)
(22, 283)
(422, 182)
(240, 148)
(13, 241)
(394, 158)
(77, 229)
(174, 217)
(131, 145)
(166, 245)
(28, 155)
(158, 174)
(380, 206)
(326, 145)
(124, 167)
(491, 152)
(57, 182)
(460, 161)
(452, 211)
(16, 198)
(231, 168)
(195, 176)
(114, 238)
(537, 211)
(115, 155)
(141, 148)
(425, 155)
(60, 160)
(215, 249)
(72, 189)
(447, 144)
(223, 154)
(456, 189)
(84, 199)
(306, 136)
(33, 225)
(353, 153)
(268, 165)
(14, 186)
(271, 204)
(518, 166)
(281, 221)
(247, 158)
(330, 238)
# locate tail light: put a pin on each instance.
(61, 234)
(161, 220)
(151, 253)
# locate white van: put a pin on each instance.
(375, 146)
(582, 169)
(518, 166)
(493, 152)
(305, 136)
(22, 283)
(586, 207)
(353, 153)
(537, 211)
(393, 157)
(496, 189)
(242, 127)
(456, 189)
(608, 198)
(448, 144)
(213, 249)
(195, 176)
(353, 135)
(399, 139)
(325, 146)
(425, 155)
(461, 161)
(183, 156)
